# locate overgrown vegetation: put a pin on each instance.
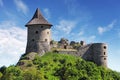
(53, 66)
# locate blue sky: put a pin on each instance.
(88, 20)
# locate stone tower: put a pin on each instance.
(100, 54)
(38, 34)
(95, 52)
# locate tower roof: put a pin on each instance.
(38, 19)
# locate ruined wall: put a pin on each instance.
(96, 52)
(68, 52)
(85, 52)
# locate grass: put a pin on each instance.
(49, 62)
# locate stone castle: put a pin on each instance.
(39, 40)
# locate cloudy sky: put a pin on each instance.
(88, 20)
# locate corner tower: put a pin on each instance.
(100, 54)
(38, 34)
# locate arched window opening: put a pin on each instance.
(65, 47)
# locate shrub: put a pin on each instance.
(62, 61)
(2, 69)
(1, 75)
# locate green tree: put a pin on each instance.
(1, 75)
(12, 73)
(33, 74)
(2, 69)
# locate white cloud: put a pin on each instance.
(64, 30)
(12, 43)
(47, 13)
(91, 38)
(1, 2)
(81, 33)
(6, 24)
(21, 6)
(87, 39)
(101, 30)
(66, 26)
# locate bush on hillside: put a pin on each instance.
(53, 66)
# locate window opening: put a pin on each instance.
(33, 40)
(65, 47)
(45, 40)
(105, 47)
(47, 32)
(104, 58)
(104, 53)
(36, 32)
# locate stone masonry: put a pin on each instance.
(39, 41)
(39, 34)
(95, 52)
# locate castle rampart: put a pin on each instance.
(95, 52)
(39, 41)
(100, 53)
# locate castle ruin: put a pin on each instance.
(39, 40)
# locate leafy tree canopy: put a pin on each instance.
(53, 66)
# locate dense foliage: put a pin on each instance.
(53, 66)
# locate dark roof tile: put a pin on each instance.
(38, 19)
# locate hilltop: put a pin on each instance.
(54, 66)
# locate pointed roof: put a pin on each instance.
(38, 19)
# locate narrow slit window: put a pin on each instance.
(104, 53)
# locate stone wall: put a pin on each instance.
(38, 39)
(85, 52)
(96, 52)
(68, 52)
(100, 54)
(39, 33)
(39, 47)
